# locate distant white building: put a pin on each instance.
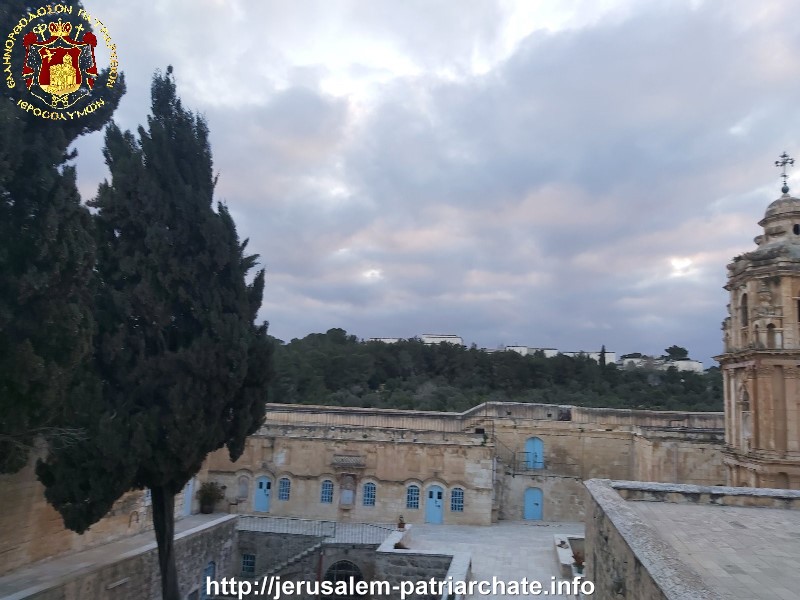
(385, 340)
(526, 350)
(437, 338)
(661, 364)
(611, 357)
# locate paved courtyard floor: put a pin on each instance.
(509, 550)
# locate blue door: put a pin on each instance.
(533, 504)
(263, 489)
(534, 452)
(434, 505)
(188, 495)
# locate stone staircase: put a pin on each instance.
(274, 571)
(292, 560)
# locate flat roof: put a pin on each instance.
(713, 542)
(742, 552)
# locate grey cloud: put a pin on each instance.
(539, 203)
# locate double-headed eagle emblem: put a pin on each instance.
(59, 69)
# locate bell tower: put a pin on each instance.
(761, 360)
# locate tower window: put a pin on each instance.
(771, 338)
(744, 310)
(796, 229)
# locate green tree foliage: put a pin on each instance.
(410, 374)
(46, 259)
(676, 353)
(184, 368)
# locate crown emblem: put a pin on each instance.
(59, 29)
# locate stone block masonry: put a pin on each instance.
(134, 575)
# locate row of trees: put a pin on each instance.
(128, 335)
(337, 369)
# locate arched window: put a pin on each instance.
(326, 494)
(368, 494)
(210, 572)
(412, 496)
(457, 500)
(284, 488)
(243, 489)
(346, 571)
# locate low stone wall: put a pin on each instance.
(625, 556)
(397, 566)
(700, 494)
(135, 576)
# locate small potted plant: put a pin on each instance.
(578, 564)
(209, 494)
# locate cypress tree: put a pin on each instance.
(184, 367)
(46, 264)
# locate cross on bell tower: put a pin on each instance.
(785, 159)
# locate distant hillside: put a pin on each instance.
(335, 368)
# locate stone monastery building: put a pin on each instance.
(496, 461)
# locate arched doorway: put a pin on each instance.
(532, 510)
(434, 505)
(262, 494)
(344, 570)
(534, 453)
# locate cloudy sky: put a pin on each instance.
(559, 173)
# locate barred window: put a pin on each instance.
(284, 488)
(326, 496)
(248, 565)
(457, 500)
(412, 497)
(368, 496)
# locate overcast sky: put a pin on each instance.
(557, 173)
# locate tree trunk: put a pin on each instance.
(164, 524)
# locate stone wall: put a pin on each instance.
(32, 530)
(403, 566)
(331, 416)
(478, 451)
(678, 457)
(137, 577)
(563, 497)
(573, 453)
(270, 549)
(391, 460)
